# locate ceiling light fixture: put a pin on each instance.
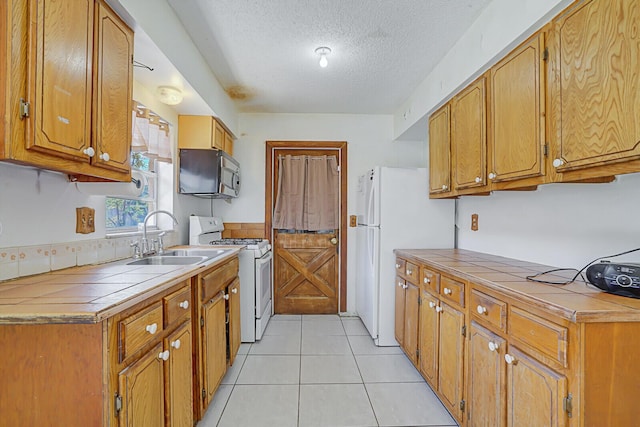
(169, 95)
(323, 52)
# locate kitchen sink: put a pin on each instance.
(169, 260)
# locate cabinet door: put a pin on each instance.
(440, 151)
(112, 91)
(234, 320)
(228, 143)
(61, 64)
(214, 343)
(469, 137)
(534, 392)
(218, 138)
(411, 319)
(179, 384)
(451, 359)
(429, 332)
(142, 390)
(486, 379)
(596, 70)
(517, 113)
(399, 314)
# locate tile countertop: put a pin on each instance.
(576, 302)
(92, 293)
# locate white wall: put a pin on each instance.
(369, 139)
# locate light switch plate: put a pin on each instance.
(85, 220)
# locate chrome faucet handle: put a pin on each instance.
(144, 246)
(160, 247)
(136, 249)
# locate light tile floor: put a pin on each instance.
(325, 371)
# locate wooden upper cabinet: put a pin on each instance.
(62, 65)
(517, 122)
(440, 153)
(594, 88)
(113, 88)
(203, 132)
(469, 137)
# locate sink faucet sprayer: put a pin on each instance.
(145, 242)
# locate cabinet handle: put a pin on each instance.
(400, 284)
(447, 291)
(493, 346)
(164, 355)
(481, 309)
(104, 156)
(557, 163)
(444, 186)
(226, 296)
(427, 280)
(439, 309)
(432, 304)
(175, 344)
(152, 328)
(509, 359)
(89, 151)
(397, 265)
(409, 272)
(184, 304)
(234, 290)
(492, 175)
(478, 180)
(405, 286)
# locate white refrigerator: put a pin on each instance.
(394, 212)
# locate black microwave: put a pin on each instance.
(208, 173)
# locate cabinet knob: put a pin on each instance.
(397, 265)
(234, 290)
(509, 359)
(409, 272)
(493, 346)
(432, 304)
(492, 175)
(104, 156)
(152, 328)
(444, 186)
(184, 304)
(175, 344)
(439, 309)
(447, 291)
(400, 284)
(478, 180)
(89, 151)
(427, 280)
(164, 355)
(557, 163)
(405, 286)
(481, 309)
(226, 296)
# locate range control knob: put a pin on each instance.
(624, 280)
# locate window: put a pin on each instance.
(150, 145)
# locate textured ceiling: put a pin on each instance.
(262, 51)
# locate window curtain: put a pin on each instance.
(150, 134)
(307, 197)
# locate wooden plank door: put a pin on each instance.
(306, 273)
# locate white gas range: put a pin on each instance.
(255, 273)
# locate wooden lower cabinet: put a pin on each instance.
(214, 346)
(451, 359)
(411, 322)
(234, 320)
(399, 311)
(486, 378)
(141, 392)
(429, 338)
(179, 375)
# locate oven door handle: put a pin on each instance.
(264, 259)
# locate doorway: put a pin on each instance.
(309, 266)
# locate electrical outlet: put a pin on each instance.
(85, 220)
(353, 221)
(474, 222)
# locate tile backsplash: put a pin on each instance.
(36, 259)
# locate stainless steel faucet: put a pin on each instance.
(145, 243)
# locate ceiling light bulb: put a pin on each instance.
(169, 95)
(323, 52)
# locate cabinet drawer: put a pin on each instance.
(430, 280)
(400, 266)
(545, 339)
(452, 290)
(214, 281)
(412, 273)
(177, 306)
(139, 329)
(489, 309)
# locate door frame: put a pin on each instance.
(271, 147)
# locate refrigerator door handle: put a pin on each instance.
(370, 206)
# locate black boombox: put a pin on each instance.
(619, 279)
